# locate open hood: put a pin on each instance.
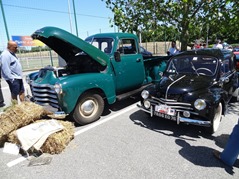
(68, 45)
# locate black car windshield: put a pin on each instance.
(200, 65)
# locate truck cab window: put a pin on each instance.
(104, 44)
(127, 46)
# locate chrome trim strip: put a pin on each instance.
(44, 95)
(42, 85)
(172, 84)
(43, 90)
(170, 103)
(195, 122)
(45, 99)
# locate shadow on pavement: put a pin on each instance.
(198, 155)
(169, 128)
(118, 105)
(202, 156)
(233, 108)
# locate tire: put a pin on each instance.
(235, 95)
(215, 122)
(89, 108)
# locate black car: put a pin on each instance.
(236, 53)
(195, 88)
(145, 52)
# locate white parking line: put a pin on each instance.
(105, 120)
(15, 162)
(95, 124)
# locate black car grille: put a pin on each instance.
(175, 97)
(45, 95)
(174, 104)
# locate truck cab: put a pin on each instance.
(125, 58)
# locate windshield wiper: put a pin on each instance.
(175, 68)
(193, 67)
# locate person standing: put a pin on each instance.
(231, 151)
(12, 71)
(173, 50)
(218, 45)
(2, 104)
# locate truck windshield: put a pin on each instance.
(200, 65)
(104, 44)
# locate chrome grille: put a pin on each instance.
(45, 95)
(174, 104)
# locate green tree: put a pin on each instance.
(188, 19)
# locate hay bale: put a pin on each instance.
(56, 142)
(19, 115)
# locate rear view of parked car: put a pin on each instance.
(195, 88)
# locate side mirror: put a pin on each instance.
(117, 56)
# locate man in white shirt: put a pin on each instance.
(12, 71)
(173, 50)
(218, 45)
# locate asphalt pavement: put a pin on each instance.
(127, 143)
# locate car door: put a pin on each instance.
(129, 71)
(229, 76)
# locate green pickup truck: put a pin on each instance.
(101, 69)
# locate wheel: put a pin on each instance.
(215, 122)
(204, 69)
(89, 108)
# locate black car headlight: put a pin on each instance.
(145, 94)
(147, 104)
(200, 104)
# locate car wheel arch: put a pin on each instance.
(98, 99)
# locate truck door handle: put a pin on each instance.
(138, 60)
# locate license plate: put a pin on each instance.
(164, 109)
(166, 116)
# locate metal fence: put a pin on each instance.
(37, 60)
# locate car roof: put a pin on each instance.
(218, 53)
(113, 35)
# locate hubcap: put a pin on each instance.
(217, 118)
(88, 107)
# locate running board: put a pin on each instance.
(130, 93)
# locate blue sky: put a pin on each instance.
(23, 17)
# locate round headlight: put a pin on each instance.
(145, 94)
(58, 88)
(200, 104)
(147, 104)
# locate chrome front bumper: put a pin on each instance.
(180, 119)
